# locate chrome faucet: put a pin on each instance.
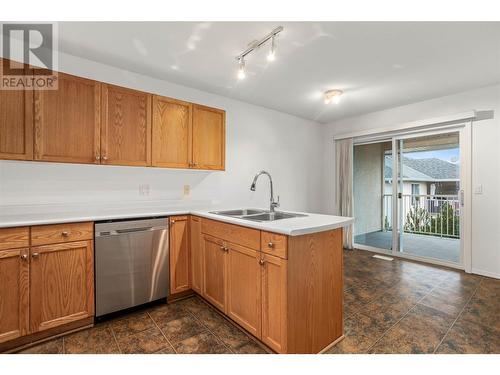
(272, 204)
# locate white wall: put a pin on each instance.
(290, 148)
(485, 161)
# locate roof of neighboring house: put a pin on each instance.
(430, 169)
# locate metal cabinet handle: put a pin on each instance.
(98, 157)
(261, 262)
(35, 255)
(65, 233)
(24, 256)
(104, 158)
(270, 244)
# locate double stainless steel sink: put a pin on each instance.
(258, 215)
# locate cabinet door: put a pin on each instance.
(209, 138)
(214, 271)
(179, 255)
(126, 126)
(14, 294)
(62, 284)
(16, 123)
(244, 298)
(171, 145)
(67, 121)
(274, 323)
(196, 253)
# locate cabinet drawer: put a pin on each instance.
(13, 238)
(274, 244)
(233, 233)
(59, 233)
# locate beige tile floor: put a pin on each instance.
(390, 307)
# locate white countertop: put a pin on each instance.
(296, 226)
(24, 215)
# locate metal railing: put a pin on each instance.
(434, 215)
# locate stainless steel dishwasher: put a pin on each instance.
(131, 263)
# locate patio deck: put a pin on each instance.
(447, 249)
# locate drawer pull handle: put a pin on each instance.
(65, 233)
(35, 255)
(261, 262)
(270, 244)
(24, 257)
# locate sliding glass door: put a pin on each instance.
(407, 192)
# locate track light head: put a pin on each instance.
(241, 69)
(272, 54)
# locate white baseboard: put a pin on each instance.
(486, 273)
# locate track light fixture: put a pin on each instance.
(256, 45)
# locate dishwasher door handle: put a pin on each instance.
(132, 230)
(117, 232)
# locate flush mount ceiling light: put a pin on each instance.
(256, 45)
(333, 96)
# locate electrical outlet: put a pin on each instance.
(187, 189)
(144, 189)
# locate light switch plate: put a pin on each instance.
(478, 189)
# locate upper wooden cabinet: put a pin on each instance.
(16, 124)
(209, 138)
(67, 121)
(179, 255)
(172, 129)
(125, 127)
(187, 135)
(86, 121)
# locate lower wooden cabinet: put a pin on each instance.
(195, 240)
(14, 294)
(179, 255)
(44, 287)
(214, 271)
(274, 302)
(62, 284)
(245, 283)
(244, 297)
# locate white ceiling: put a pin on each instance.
(377, 64)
